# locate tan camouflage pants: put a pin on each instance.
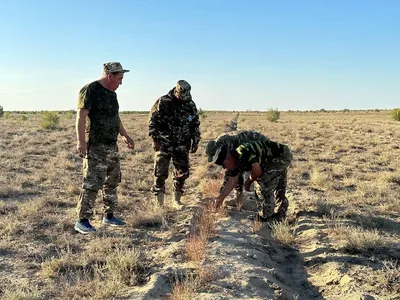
(271, 187)
(101, 171)
(180, 160)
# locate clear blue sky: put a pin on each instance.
(237, 55)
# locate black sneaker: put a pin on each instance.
(84, 227)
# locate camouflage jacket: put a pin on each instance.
(257, 151)
(173, 122)
(102, 123)
(232, 140)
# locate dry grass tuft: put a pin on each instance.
(203, 229)
(187, 287)
(149, 215)
(209, 188)
(283, 233)
(256, 226)
(124, 265)
(195, 248)
(22, 295)
(358, 240)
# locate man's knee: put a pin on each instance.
(161, 170)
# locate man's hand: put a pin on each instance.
(129, 142)
(218, 203)
(194, 148)
(156, 146)
(81, 147)
(247, 184)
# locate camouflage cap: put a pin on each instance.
(183, 89)
(211, 147)
(113, 67)
(219, 156)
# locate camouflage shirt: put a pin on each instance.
(173, 122)
(250, 152)
(102, 124)
(231, 140)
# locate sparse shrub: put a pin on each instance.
(50, 120)
(185, 288)
(23, 118)
(358, 240)
(1, 111)
(209, 187)
(273, 115)
(195, 248)
(70, 114)
(282, 232)
(325, 208)
(201, 113)
(19, 294)
(186, 285)
(124, 265)
(396, 114)
(256, 226)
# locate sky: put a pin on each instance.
(237, 55)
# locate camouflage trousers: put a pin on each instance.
(180, 160)
(272, 184)
(101, 170)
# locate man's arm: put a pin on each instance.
(254, 174)
(195, 129)
(80, 128)
(122, 130)
(127, 139)
(229, 186)
(155, 121)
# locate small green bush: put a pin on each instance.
(273, 115)
(70, 115)
(1, 111)
(23, 117)
(396, 114)
(50, 120)
(201, 113)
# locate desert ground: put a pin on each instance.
(341, 239)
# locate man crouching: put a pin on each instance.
(267, 162)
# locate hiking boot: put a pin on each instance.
(113, 221)
(84, 227)
(177, 198)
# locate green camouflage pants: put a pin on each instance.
(101, 170)
(180, 160)
(272, 184)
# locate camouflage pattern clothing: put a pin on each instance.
(101, 170)
(231, 141)
(274, 160)
(101, 165)
(231, 126)
(173, 123)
